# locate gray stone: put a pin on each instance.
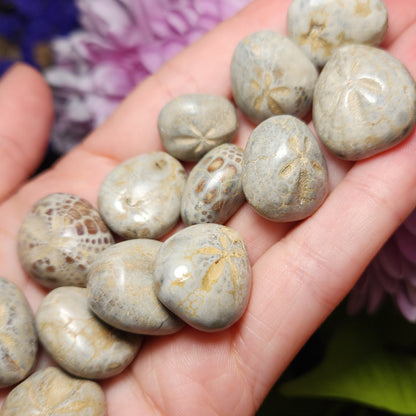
(213, 191)
(51, 392)
(270, 75)
(141, 197)
(59, 238)
(203, 275)
(285, 176)
(192, 124)
(121, 292)
(364, 102)
(321, 26)
(18, 340)
(77, 340)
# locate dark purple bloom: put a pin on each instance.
(27, 26)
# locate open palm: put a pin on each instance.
(300, 271)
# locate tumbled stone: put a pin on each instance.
(213, 191)
(59, 238)
(18, 340)
(285, 176)
(77, 340)
(141, 197)
(203, 275)
(52, 392)
(364, 102)
(270, 75)
(192, 124)
(121, 292)
(321, 26)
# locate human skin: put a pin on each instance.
(301, 272)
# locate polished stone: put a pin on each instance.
(77, 340)
(321, 26)
(192, 124)
(52, 392)
(285, 176)
(213, 191)
(203, 275)
(141, 197)
(18, 339)
(270, 75)
(364, 102)
(121, 292)
(59, 238)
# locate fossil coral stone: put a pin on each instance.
(285, 175)
(192, 124)
(270, 75)
(52, 392)
(77, 340)
(59, 238)
(141, 197)
(321, 26)
(213, 191)
(121, 292)
(364, 102)
(203, 275)
(18, 340)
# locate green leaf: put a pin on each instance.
(363, 363)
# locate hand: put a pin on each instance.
(300, 271)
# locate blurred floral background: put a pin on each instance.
(362, 361)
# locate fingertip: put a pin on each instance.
(26, 114)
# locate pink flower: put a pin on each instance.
(392, 274)
(120, 43)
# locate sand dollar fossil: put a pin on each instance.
(140, 198)
(213, 191)
(270, 75)
(364, 102)
(321, 26)
(285, 176)
(121, 292)
(52, 392)
(203, 275)
(192, 124)
(59, 238)
(77, 340)
(18, 339)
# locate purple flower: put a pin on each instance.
(392, 273)
(121, 42)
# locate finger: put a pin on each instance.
(401, 14)
(25, 121)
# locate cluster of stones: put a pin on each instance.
(106, 296)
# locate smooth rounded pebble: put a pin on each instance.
(141, 197)
(59, 238)
(270, 75)
(52, 392)
(77, 340)
(285, 176)
(321, 26)
(192, 124)
(203, 275)
(364, 102)
(18, 339)
(121, 292)
(213, 191)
